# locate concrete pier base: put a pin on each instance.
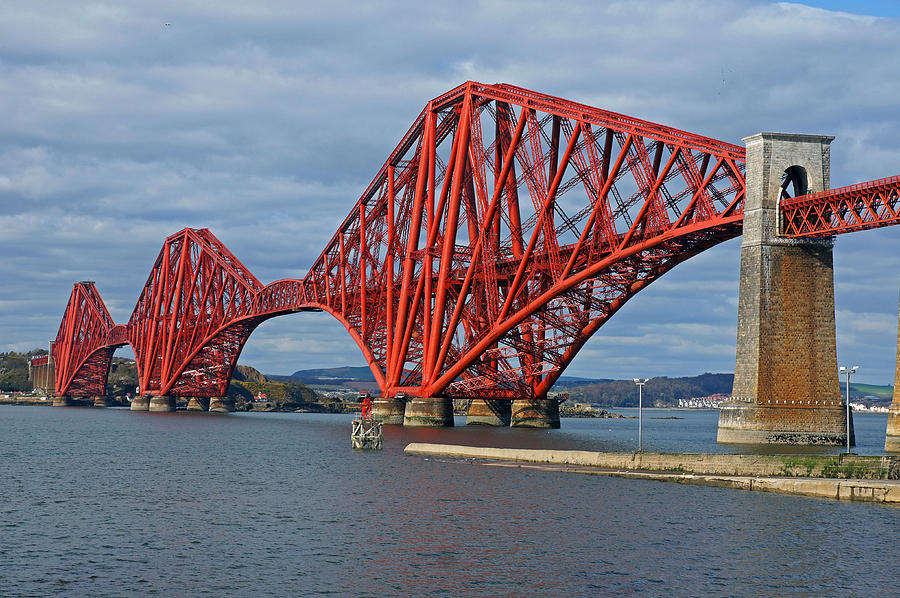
(198, 404)
(162, 404)
(428, 412)
(221, 405)
(488, 412)
(140, 403)
(749, 423)
(535, 413)
(389, 410)
(63, 401)
(101, 401)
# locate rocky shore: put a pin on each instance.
(593, 412)
(181, 404)
(25, 400)
(294, 407)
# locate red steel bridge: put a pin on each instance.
(505, 228)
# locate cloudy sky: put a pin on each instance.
(124, 122)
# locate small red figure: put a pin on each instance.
(367, 408)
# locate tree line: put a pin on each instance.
(658, 392)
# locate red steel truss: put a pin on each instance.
(505, 229)
(858, 207)
(84, 348)
(193, 317)
(500, 234)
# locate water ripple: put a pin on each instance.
(112, 503)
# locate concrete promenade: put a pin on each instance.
(853, 477)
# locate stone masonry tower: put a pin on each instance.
(892, 437)
(786, 387)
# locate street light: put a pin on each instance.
(852, 370)
(640, 382)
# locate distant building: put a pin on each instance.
(42, 374)
(868, 409)
(709, 402)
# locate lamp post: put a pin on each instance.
(640, 382)
(848, 371)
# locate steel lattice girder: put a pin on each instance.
(847, 209)
(505, 228)
(472, 260)
(81, 352)
(506, 224)
(183, 327)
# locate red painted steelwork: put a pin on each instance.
(502, 232)
(84, 346)
(193, 317)
(505, 229)
(844, 210)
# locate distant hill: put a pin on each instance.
(14, 370)
(364, 374)
(665, 391)
(661, 391)
(872, 390)
(245, 373)
(614, 393)
(246, 383)
(329, 375)
(602, 391)
(280, 393)
(575, 380)
(351, 373)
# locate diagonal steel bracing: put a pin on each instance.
(503, 230)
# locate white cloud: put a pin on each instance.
(265, 121)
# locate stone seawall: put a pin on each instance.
(810, 466)
(848, 477)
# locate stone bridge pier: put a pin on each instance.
(892, 437)
(437, 412)
(786, 388)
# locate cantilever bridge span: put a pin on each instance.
(505, 228)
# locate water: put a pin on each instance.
(115, 503)
(694, 431)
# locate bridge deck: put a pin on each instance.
(847, 209)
